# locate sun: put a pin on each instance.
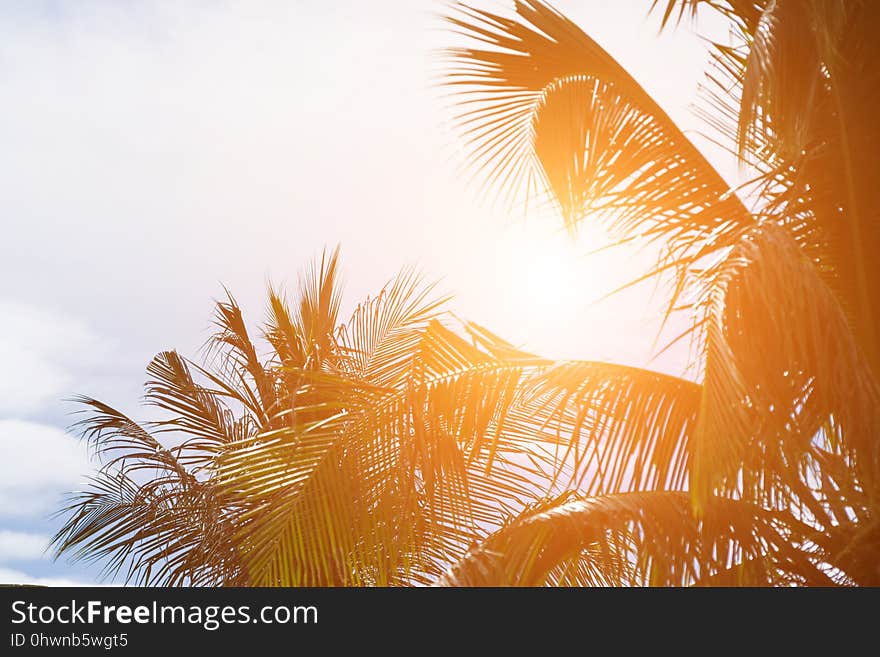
(556, 294)
(543, 280)
(547, 280)
(547, 267)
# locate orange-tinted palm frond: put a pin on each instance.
(786, 388)
(396, 479)
(637, 538)
(320, 295)
(810, 91)
(611, 428)
(543, 106)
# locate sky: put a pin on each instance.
(156, 151)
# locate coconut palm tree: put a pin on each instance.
(381, 451)
(783, 290)
(408, 447)
(349, 454)
(373, 452)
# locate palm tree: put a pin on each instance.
(374, 452)
(408, 447)
(381, 451)
(352, 454)
(784, 292)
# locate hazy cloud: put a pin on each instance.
(39, 463)
(21, 546)
(38, 349)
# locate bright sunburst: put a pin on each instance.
(543, 277)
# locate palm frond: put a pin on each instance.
(810, 91)
(383, 330)
(319, 298)
(636, 538)
(119, 441)
(197, 412)
(545, 107)
(745, 13)
(610, 428)
(143, 513)
(237, 370)
(784, 378)
(391, 461)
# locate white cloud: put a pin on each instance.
(38, 348)
(21, 546)
(39, 463)
(10, 576)
(154, 149)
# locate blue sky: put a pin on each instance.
(155, 151)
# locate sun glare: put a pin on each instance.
(545, 280)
